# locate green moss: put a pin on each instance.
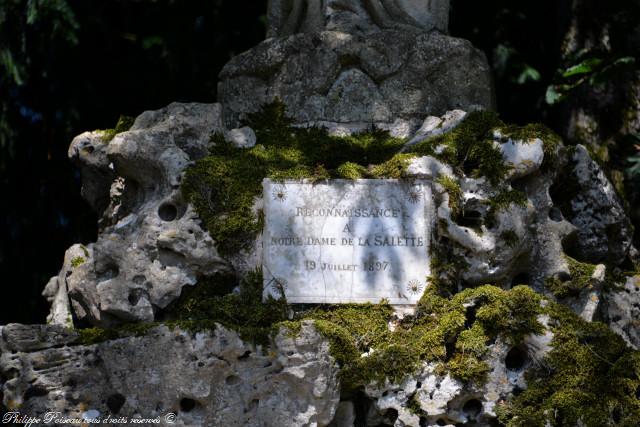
(452, 188)
(503, 200)
(351, 170)
(367, 350)
(91, 336)
(224, 185)
(77, 261)
(551, 141)
(580, 278)
(414, 406)
(205, 305)
(590, 375)
(469, 147)
(124, 124)
(510, 237)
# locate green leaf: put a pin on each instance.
(529, 74)
(634, 170)
(552, 96)
(585, 67)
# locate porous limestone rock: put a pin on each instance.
(622, 310)
(204, 379)
(150, 242)
(591, 204)
(288, 17)
(435, 399)
(347, 78)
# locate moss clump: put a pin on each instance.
(580, 278)
(590, 378)
(124, 124)
(351, 170)
(77, 261)
(202, 307)
(91, 336)
(551, 141)
(454, 191)
(444, 331)
(224, 185)
(469, 147)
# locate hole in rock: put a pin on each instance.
(571, 247)
(115, 402)
(245, 355)
(139, 279)
(418, 384)
(253, 405)
(187, 405)
(555, 214)
(391, 415)
(516, 359)
(520, 279)
(564, 190)
(562, 276)
(35, 391)
(107, 272)
(441, 422)
(470, 316)
(472, 408)
(134, 296)
(170, 258)
(233, 380)
(471, 218)
(423, 422)
(131, 197)
(89, 149)
(167, 212)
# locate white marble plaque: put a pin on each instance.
(342, 241)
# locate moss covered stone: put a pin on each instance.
(589, 378)
(224, 186)
(580, 278)
(77, 261)
(124, 124)
(470, 147)
(454, 191)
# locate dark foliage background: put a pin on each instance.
(67, 66)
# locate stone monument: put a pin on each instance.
(466, 200)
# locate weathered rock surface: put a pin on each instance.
(345, 78)
(205, 379)
(442, 400)
(150, 243)
(288, 17)
(604, 232)
(622, 311)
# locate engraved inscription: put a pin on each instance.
(344, 241)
